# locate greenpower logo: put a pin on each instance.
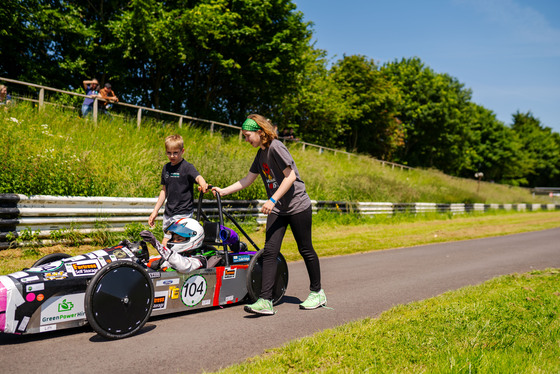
(65, 306)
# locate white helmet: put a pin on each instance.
(186, 234)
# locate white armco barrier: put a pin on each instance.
(45, 215)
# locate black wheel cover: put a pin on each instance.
(119, 299)
(254, 278)
(52, 257)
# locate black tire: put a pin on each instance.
(254, 278)
(119, 300)
(50, 258)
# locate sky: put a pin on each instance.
(506, 51)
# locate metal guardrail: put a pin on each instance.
(46, 215)
(181, 117)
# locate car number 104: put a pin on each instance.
(194, 290)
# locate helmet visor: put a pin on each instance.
(181, 230)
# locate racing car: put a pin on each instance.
(116, 291)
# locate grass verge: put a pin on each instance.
(509, 324)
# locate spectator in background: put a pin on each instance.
(92, 91)
(110, 98)
(5, 98)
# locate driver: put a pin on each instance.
(186, 235)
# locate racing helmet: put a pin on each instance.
(186, 234)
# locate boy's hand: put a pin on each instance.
(151, 220)
(203, 187)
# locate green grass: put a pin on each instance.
(510, 324)
(54, 152)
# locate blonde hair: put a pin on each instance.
(268, 133)
(173, 142)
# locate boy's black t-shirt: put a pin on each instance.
(179, 180)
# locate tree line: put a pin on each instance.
(223, 59)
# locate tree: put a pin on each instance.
(374, 127)
(493, 149)
(317, 109)
(542, 148)
(433, 115)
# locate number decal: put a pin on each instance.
(194, 290)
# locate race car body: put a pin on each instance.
(52, 296)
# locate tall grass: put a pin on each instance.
(57, 153)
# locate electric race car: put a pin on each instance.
(115, 290)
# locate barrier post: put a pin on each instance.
(41, 99)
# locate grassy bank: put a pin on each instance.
(54, 152)
(510, 324)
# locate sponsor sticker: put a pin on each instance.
(167, 282)
(35, 287)
(230, 273)
(55, 275)
(100, 253)
(83, 268)
(63, 308)
(154, 274)
(241, 258)
(23, 323)
(160, 300)
(29, 279)
(119, 253)
(51, 266)
(174, 292)
(47, 328)
(19, 274)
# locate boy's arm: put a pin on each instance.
(202, 185)
(159, 203)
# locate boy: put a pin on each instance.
(108, 94)
(177, 178)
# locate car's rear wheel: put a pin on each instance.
(254, 278)
(119, 299)
(52, 257)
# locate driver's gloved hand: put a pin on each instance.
(149, 237)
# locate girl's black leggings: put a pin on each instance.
(276, 226)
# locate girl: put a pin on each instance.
(287, 204)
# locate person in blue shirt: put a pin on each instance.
(92, 91)
(5, 98)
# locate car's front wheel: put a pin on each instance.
(119, 299)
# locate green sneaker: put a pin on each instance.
(314, 300)
(261, 306)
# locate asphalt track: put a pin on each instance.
(357, 286)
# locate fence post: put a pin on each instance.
(211, 128)
(95, 102)
(139, 117)
(240, 135)
(180, 122)
(41, 99)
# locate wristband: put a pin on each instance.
(271, 199)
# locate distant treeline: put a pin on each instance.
(223, 59)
